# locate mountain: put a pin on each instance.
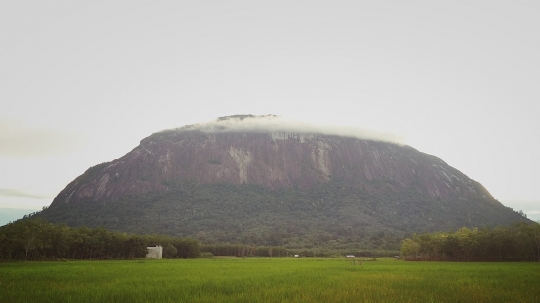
(262, 180)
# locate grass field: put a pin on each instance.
(268, 280)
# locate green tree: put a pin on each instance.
(169, 251)
(409, 248)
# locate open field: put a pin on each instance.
(268, 280)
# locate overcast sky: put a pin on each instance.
(83, 82)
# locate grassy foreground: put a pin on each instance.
(268, 280)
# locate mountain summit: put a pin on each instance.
(264, 180)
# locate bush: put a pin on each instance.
(169, 251)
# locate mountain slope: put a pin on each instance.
(271, 185)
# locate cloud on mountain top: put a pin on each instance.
(272, 124)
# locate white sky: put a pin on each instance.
(83, 82)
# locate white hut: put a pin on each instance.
(154, 252)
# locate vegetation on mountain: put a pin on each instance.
(333, 215)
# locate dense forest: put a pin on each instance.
(516, 242)
(39, 240)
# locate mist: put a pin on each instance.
(277, 124)
(10, 192)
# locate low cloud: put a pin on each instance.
(21, 140)
(15, 193)
(271, 123)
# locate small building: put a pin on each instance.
(154, 252)
(350, 256)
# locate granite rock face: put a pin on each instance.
(274, 160)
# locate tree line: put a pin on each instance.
(517, 242)
(37, 239)
(242, 250)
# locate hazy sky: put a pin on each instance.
(83, 82)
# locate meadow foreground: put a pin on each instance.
(268, 280)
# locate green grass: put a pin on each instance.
(268, 280)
